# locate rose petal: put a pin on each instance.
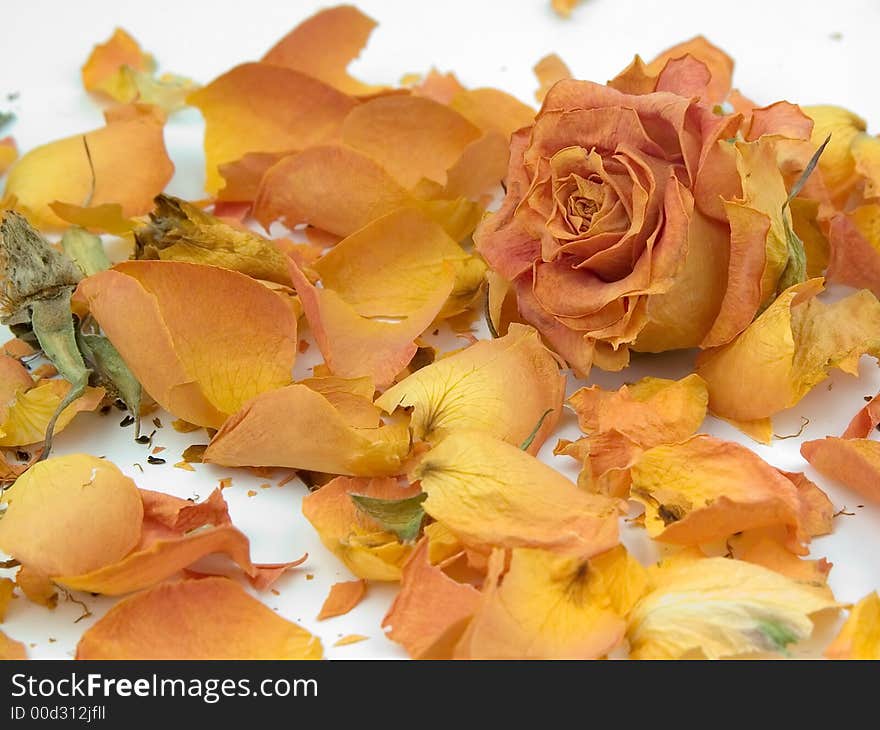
(349, 533)
(504, 387)
(490, 493)
(260, 107)
(492, 110)
(103, 70)
(855, 248)
(8, 154)
(212, 618)
(323, 46)
(202, 340)
(717, 607)
(854, 462)
(319, 439)
(11, 649)
(128, 156)
(71, 514)
(858, 638)
(342, 598)
(429, 603)
(550, 69)
(28, 415)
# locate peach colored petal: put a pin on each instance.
(865, 421)
(343, 597)
(706, 489)
(429, 602)
(507, 387)
(855, 248)
(71, 514)
(202, 340)
(719, 66)
(766, 547)
(11, 649)
(323, 46)
(264, 108)
(854, 462)
(550, 69)
(319, 439)
(349, 533)
(212, 618)
(131, 166)
(102, 71)
(490, 493)
(355, 346)
(492, 110)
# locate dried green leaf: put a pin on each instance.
(403, 517)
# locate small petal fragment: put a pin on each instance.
(211, 618)
(103, 72)
(342, 598)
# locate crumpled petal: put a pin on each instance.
(706, 489)
(859, 638)
(210, 618)
(837, 164)
(492, 494)
(854, 462)
(71, 514)
(504, 387)
(354, 537)
(550, 606)
(260, 107)
(717, 607)
(766, 547)
(320, 438)
(355, 346)
(179, 231)
(202, 340)
(854, 257)
(103, 71)
(343, 597)
(428, 604)
(323, 46)
(131, 166)
(787, 350)
(390, 268)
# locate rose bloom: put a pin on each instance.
(642, 215)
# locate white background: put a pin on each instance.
(805, 51)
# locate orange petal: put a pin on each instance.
(11, 649)
(766, 547)
(865, 421)
(260, 107)
(332, 187)
(429, 603)
(130, 165)
(103, 71)
(202, 340)
(318, 439)
(550, 69)
(28, 416)
(8, 154)
(355, 538)
(71, 514)
(850, 461)
(706, 489)
(719, 67)
(212, 618)
(323, 46)
(859, 638)
(504, 386)
(7, 587)
(493, 111)
(342, 598)
(490, 493)
(355, 346)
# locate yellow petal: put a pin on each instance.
(28, 415)
(717, 607)
(129, 161)
(211, 618)
(837, 164)
(502, 386)
(492, 494)
(71, 514)
(202, 340)
(103, 70)
(390, 267)
(549, 606)
(788, 350)
(706, 489)
(355, 538)
(319, 439)
(8, 154)
(860, 636)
